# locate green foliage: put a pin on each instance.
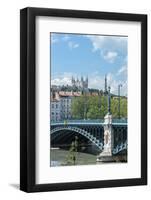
(71, 158)
(114, 108)
(95, 107)
(123, 107)
(78, 108)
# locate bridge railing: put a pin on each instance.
(88, 121)
(122, 120)
(79, 121)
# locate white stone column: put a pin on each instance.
(108, 135)
(106, 155)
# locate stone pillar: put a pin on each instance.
(108, 135)
(106, 155)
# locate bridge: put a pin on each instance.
(92, 131)
(108, 135)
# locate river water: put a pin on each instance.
(60, 157)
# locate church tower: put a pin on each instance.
(80, 83)
(73, 82)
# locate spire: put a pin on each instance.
(73, 81)
(87, 80)
(105, 86)
(109, 101)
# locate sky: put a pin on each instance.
(89, 55)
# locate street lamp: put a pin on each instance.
(85, 104)
(109, 100)
(119, 87)
(99, 100)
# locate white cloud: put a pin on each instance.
(96, 81)
(61, 79)
(108, 44)
(100, 42)
(66, 38)
(122, 70)
(97, 41)
(54, 40)
(73, 45)
(110, 56)
(113, 83)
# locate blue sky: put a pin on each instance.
(89, 55)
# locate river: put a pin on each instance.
(60, 157)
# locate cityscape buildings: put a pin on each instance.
(61, 101)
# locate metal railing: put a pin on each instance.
(88, 121)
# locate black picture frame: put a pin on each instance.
(28, 99)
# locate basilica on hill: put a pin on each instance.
(80, 84)
(62, 96)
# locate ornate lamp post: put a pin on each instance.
(119, 87)
(107, 154)
(109, 101)
(99, 100)
(85, 103)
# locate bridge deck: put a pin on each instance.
(88, 123)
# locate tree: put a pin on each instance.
(77, 107)
(95, 107)
(72, 156)
(114, 107)
(123, 108)
(93, 112)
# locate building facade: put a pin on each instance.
(61, 105)
(55, 110)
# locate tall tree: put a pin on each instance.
(95, 107)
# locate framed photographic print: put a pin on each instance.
(83, 99)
